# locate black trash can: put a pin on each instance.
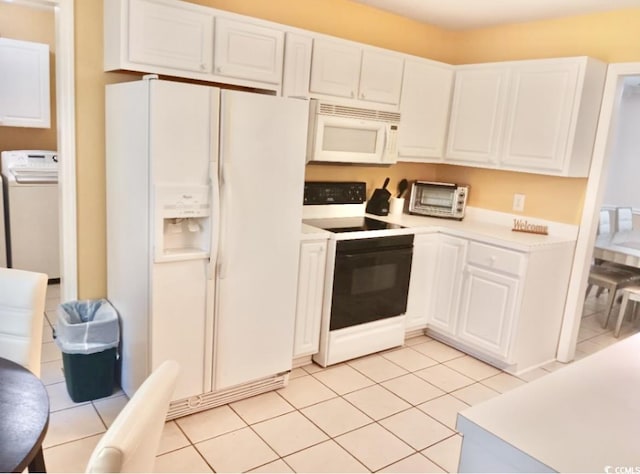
(88, 334)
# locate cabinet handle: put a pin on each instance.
(353, 94)
(362, 95)
(202, 67)
(492, 260)
(218, 69)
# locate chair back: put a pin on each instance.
(624, 219)
(131, 442)
(22, 300)
(604, 224)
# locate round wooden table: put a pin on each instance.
(24, 418)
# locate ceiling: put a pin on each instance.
(469, 14)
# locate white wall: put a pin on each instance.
(624, 167)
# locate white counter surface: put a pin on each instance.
(581, 418)
(487, 226)
(313, 233)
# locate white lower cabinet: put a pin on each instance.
(436, 274)
(310, 293)
(501, 303)
(487, 310)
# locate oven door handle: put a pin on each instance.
(364, 252)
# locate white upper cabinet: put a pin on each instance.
(552, 115)
(341, 69)
(381, 77)
(248, 51)
(537, 116)
(182, 39)
(171, 35)
(424, 110)
(297, 65)
(24, 84)
(335, 69)
(477, 114)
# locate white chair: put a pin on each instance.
(604, 223)
(611, 279)
(131, 442)
(631, 293)
(22, 300)
(624, 219)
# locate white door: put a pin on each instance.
(487, 310)
(248, 51)
(182, 119)
(541, 105)
(262, 158)
(443, 305)
(423, 270)
(381, 77)
(297, 65)
(309, 298)
(175, 35)
(335, 69)
(424, 110)
(24, 84)
(477, 114)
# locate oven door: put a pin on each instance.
(371, 280)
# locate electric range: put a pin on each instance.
(367, 273)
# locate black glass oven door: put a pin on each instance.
(370, 283)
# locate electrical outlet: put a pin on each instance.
(518, 202)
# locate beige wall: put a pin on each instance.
(37, 25)
(491, 189)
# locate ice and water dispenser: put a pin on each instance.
(183, 223)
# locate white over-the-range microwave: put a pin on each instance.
(346, 134)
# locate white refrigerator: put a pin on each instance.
(204, 203)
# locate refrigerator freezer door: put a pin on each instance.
(262, 156)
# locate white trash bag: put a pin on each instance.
(87, 327)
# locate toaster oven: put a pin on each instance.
(434, 199)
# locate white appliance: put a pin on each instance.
(367, 273)
(30, 188)
(3, 245)
(204, 193)
(346, 134)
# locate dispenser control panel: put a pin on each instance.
(184, 202)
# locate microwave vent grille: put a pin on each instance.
(358, 113)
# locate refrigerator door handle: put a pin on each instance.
(225, 203)
(215, 220)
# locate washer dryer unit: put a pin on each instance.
(30, 189)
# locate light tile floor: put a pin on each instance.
(389, 412)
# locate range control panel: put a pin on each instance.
(334, 192)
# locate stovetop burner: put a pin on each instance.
(351, 224)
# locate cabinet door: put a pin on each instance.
(297, 66)
(436, 276)
(335, 69)
(443, 307)
(477, 114)
(487, 310)
(174, 35)
(309, 301)
(381, 77)
(424, 110)
(542, 96)
(24, 84)
(423, 271)
(248, 51)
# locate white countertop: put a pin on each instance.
(580, 418)
(487, 226)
